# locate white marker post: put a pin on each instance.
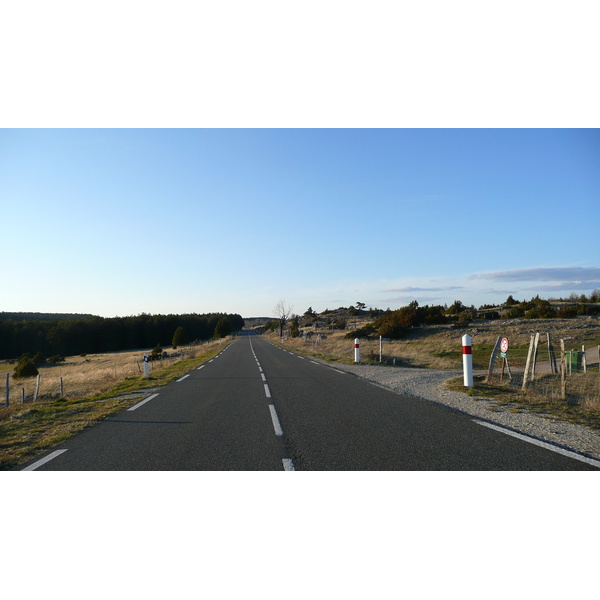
(467, 360)
(356, 350)
(146, 367)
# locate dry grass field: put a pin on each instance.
(440, 347)
(93, 373)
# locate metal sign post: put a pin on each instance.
(503, 351)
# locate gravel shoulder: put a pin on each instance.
(428, 384)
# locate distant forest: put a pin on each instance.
(37, 316)
(69, 335)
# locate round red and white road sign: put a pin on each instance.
(504, 345)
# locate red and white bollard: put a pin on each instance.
(467, 360)
(356, 350)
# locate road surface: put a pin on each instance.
(259, 407)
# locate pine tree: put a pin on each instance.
(179, 337)
(223, 328)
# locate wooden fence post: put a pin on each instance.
(508, 369)
(7, 389)
(37, 389)
(535, 352)
(583, 359)
(493, 360)
(22, 395)
(551, 356)
(61, 389)
(528, 363)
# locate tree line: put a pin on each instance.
(94, 335)
(395, 324)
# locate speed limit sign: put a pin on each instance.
(504, 345)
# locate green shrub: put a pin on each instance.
(25, 368)
(567, 312)
(39, 358)
(365, 331)
(515, 312)
(56, 359)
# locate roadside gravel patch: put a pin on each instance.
(428, 384)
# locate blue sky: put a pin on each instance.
(124, 221)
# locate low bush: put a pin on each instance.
(56, 359)
(25, 368)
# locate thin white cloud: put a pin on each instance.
(424, 289)
(407, 299)
(571, 286)
(564, 274)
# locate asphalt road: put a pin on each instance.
(258, 407)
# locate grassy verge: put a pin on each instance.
(28, 429)
(529, 401)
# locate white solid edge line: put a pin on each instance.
(142, 402)
(182, 378)
(288, 465)
(275, 419)
(43, 461)
(547, 446)
(267, 391)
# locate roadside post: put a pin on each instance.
(356, 350)
(146, 367)
(467, 360)
(7, 389)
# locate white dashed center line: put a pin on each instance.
(142, 402)
(275, 419)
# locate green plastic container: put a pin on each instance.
(574, 360)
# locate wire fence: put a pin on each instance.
(548, 369)
(87, 375)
